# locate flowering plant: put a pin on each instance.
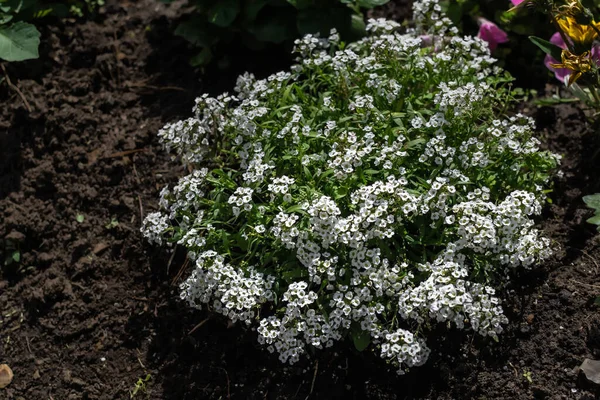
(374, 191)
(572, 52)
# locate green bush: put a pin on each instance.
(375, 191)
(256, 23)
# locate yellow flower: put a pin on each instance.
(580, 34)
(573, 8)
(579, 64)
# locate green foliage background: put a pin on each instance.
(258, 23)
(19, 38)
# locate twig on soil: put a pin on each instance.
(199, 325)
(138, 298)
(137, 177)
(171, 260)
(516, 371)
(585, 253)
(312, 385)
(15, 88)
(123, 153)
(591, 258)
(140, 361)
(141, 208)
(228, 391)
(185, 263)
(28, 346)
(585, 284)
(152, 87)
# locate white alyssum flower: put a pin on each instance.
(371, 192)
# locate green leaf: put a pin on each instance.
(252, 8)
(5, 19)
(399, 122)
(79, 218)
(592, 201)
(294, 208)
(317, 20)
(454, 11)
(371, 3)
(197, 32)
(340, 192)
(202, 58)
(594, 220)
(223, 13)
(361, 339)
(19, 41)
(547, 47)
(291, 276)
(414, 143)
(16, 256)
(273, 30)
(552, 101)
(358, 27)
(301, 4)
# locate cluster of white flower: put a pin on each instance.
(281, 185)
(460, 99)
(154, 227)
(230, 292)
(403, 348)
(242, 197)
(187, 194)
(371, 193)
(187, 138)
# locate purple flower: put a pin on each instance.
(490, 32)
(516, 2)
(559, 73)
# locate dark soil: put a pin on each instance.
(90, 309)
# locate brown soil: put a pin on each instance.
(90, 309)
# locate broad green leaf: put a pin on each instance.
(202, 58)
(454, 11)
(399, 122)
(361, 339)
(223, 13)
(594, 220)
(314, 20)
(592, 201)
(5, 19)
(197, 32)
(19, 41)
(295, 208)
(341, 192)
(301, 4)
(358, 27)
(273, 30)
(371, 3)
(547, 47)
(252, 8)
(414, 143)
